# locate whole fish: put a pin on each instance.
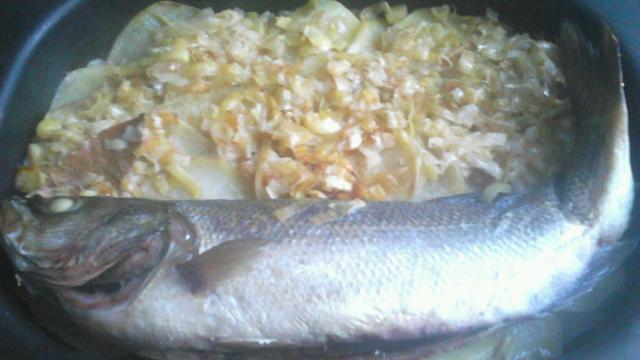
(206, 275)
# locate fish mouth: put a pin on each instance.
(104, 293)
(14, 214)
(83, 264)
(15, 217)
(102, 286)
(11, 218)
(117, 283)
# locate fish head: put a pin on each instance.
(88, 252)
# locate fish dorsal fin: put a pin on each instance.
(230, 259)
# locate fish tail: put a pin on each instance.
(600, 158)
(593, 75)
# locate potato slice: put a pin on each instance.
(136, 39)
(532, 339)
(190, 142)
(216, 179)
(81, 84)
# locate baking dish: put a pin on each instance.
(52, 39)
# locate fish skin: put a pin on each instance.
(387, 270)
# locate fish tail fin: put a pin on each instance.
(592, 73)
(598, 177)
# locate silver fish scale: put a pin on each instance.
(411, 267)
(461, 218)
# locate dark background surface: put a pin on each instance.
(40, 41)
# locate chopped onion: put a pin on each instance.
(314, 102)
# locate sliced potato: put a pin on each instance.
(81, 84)
(136, 39)
(533, 339)
(480, 348)
(217, 179)
(190, 142)
(200, 178)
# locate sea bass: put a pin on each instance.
(205, 275)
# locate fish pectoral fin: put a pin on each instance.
(230, 259)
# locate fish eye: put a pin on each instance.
(61, 205)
